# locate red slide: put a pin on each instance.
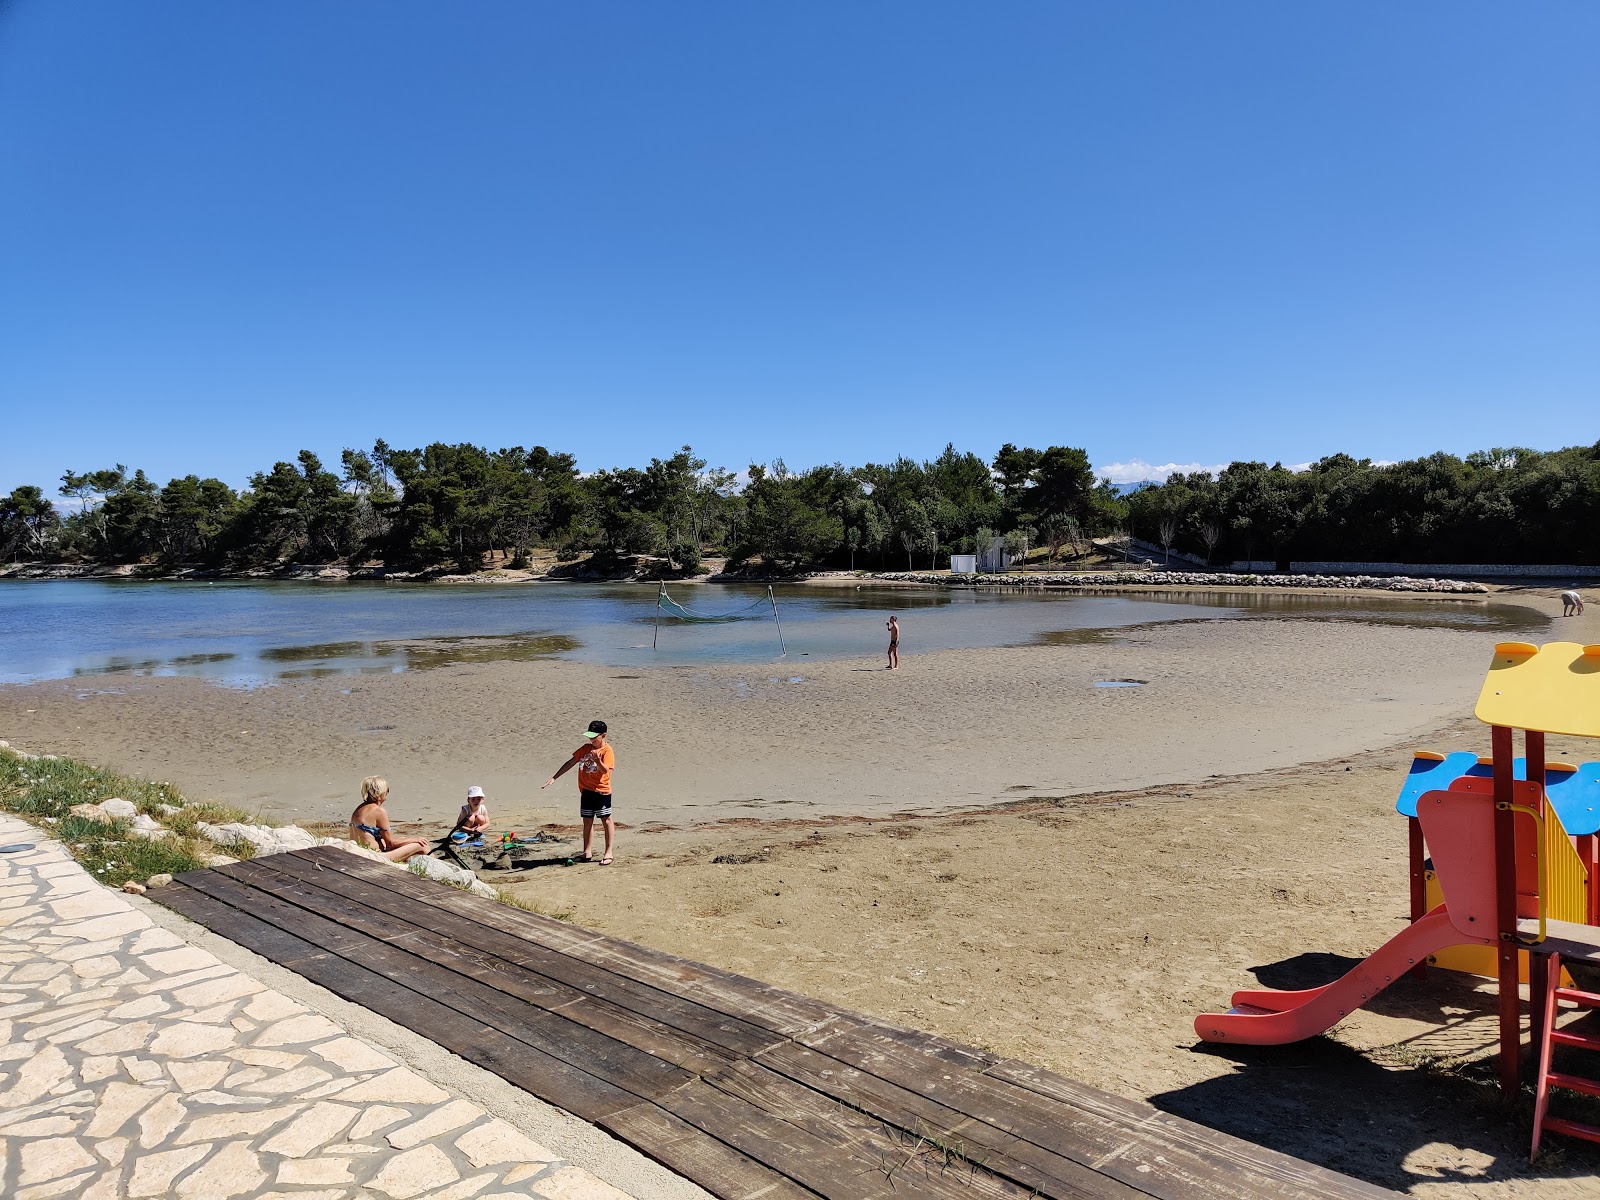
(1268, 1018)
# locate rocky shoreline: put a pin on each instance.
(1117, 579)
(642, 573)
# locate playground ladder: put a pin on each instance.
(1550, 1037)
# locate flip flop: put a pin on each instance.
(605, 862)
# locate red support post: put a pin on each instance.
(1505, 871)
(1533, 751)
(1419, 881)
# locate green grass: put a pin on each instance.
(42, 790)
(48, 787)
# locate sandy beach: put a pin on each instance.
(797, 737)
(982, 844)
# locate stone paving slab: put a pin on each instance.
(135, 1065)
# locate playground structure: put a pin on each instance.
(1504, 877)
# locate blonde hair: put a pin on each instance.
(373, 789)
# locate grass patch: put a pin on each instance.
(44, 790)
(512, 900)
(47, 787)
(185, 820)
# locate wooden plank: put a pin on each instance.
(603, 1057)
(1275, 1173)
(907, 1160)
(549, 1078)
(833, 1170)
(749, 999)
(822, 1113)
(621, 1024)
(1021, 1161)
(696, 1155)
(1135, 1149)
(707, 1025)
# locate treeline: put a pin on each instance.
(450, 506)
(1493, 506)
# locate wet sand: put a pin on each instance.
(694, 744)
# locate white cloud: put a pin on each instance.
(1138, 471)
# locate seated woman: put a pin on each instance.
(369, 824)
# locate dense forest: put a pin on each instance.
(448, 506)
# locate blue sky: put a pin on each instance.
(1169, 232)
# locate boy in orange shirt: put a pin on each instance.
(595, 761)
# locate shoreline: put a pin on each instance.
(953, 729)
(1081, 582)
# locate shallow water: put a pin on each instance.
(250, 634)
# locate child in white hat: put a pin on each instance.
(474, 818)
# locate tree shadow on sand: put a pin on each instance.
(1424, 1109)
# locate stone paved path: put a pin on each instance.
(135, 1065)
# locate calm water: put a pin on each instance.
(251, 634)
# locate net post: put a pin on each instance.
(776, 618)
(655, 630)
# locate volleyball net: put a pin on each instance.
(677, 612)
(756, 610)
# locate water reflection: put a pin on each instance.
(324, 660)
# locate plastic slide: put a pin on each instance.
(1459, 826)
(1269, 1018)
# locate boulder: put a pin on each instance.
(119, 808)
(158, 880)
(90, 812)
(133, 887)
(146, 827)
(264, 838)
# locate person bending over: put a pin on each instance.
(369, 824)
(595, 761)
(1571, 603)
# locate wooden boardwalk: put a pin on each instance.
(748, 1090)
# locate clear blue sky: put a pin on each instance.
(1169, 232)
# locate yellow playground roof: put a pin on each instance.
(1554, 688)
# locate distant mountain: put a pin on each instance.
(1124, 489)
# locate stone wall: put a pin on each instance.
(1454, 570)
(1114, 579)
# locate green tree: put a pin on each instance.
(28, 523)
(191, 516)
(132, 523)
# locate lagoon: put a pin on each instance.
(251, 634)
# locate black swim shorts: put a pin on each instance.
(594, 804)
